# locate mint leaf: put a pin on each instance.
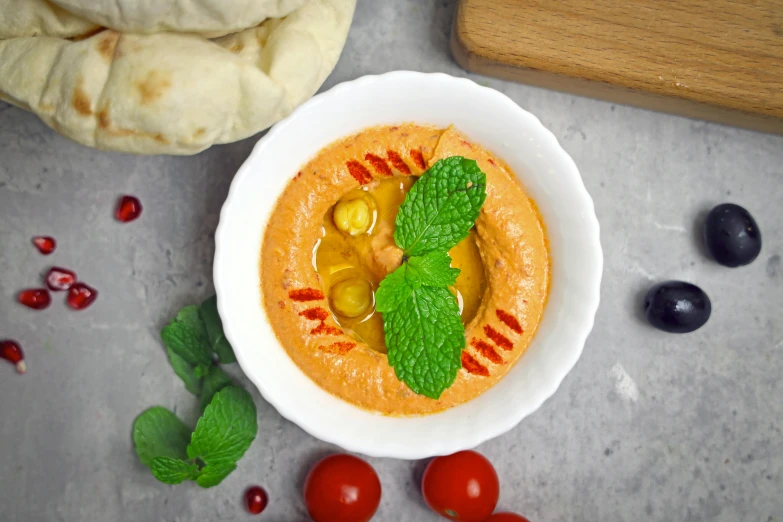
(425, 339)
(441, 207)
(157, 432)
(226, 429)
(185, 371)
(214, 326)
(393, 290)
(201, 370)
(186, 337)
(432, 269)
(173, 471)
(214, 474)
(215, 380)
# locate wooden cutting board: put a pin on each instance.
(719, 60)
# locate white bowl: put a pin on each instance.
(547, 173)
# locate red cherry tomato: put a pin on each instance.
(507, 517)
(463, 486)
(342, 488)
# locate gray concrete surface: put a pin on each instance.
(648, 426)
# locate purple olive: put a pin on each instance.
(732, 235)
(677, 307)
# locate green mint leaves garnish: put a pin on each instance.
(195, 343)
(441, 208)
(194, 340)
(222, 436)
(421, 319)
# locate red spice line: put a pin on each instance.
(306, 294)
(339, 348)
(320, 314)
(379, 164)
(314, 314)
(498, 338)
(509, 321)
(359, 172)
(325, 329)
(471, 365)
(397, 162)
(485, 349)
(418, 159)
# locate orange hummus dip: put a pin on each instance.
(305, 257)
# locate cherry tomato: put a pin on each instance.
(463, 486)
(507, 517)
(342, 487)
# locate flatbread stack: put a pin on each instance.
(166, 76)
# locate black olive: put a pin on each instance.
(732, 235)
(677, 307)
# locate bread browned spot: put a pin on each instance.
(153, 87)
(106, 44)
(104, 122)
(199, 132)
(81, 101)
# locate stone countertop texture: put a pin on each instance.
(647, 426)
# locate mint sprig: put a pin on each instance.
(421, 319)
(174, 453)
(222, 436)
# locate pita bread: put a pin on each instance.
(171, 93)
(197, 16)
(40, 17)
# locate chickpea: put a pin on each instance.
(351, 297)
(353, 216)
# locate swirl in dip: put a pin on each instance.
(330, 242)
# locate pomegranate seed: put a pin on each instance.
(128, 209)
(45, 244)
(35, 298)
(59, 279)
(80, 296)
(12, 352)
(256, 499)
